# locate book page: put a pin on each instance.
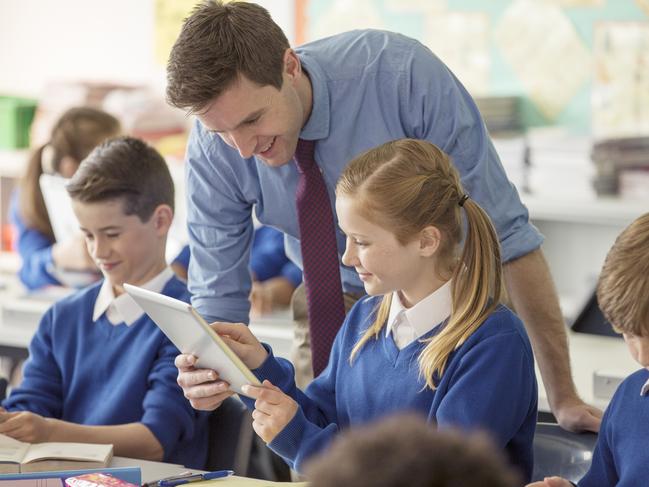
(12, 451)
(86, 452)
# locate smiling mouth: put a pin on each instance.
(268, 147)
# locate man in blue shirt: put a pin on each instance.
(254, 97)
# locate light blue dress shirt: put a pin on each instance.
(369, 87)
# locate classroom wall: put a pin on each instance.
(45, 40)
(464, 33)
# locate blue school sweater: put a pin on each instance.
(96, 373)
(489, 384)
(620, 457)
(35, 250)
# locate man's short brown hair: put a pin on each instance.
(623, 286)
(405, 450)
(127, 169)
(217, 44)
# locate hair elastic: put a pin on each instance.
(463, 199)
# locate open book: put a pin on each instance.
(17, 456)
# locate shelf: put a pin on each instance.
(599, 211)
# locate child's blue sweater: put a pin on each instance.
(96, 373)
(620, 457)
(489, 384)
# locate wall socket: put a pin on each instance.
(606, 381)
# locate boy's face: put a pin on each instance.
(259, 121)
(639, 348)
(124, 248)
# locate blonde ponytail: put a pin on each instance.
(476, 292)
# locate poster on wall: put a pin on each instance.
(461, 40)
(620, 94)
(545, 52)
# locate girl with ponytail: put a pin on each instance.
(431, 337)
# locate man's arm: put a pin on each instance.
(534, 298)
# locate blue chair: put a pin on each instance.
(560, 452)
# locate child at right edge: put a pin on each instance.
(620, 457)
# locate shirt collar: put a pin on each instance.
(645, 388)
(122, 308)
(426, 314)
(317, 126)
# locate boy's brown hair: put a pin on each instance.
(405, 450)
(217, 44)
(128, 169)
(623, 285)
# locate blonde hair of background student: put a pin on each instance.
(404, 186)
(412, 453)
(76, 133)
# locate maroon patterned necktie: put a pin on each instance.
(324, 295)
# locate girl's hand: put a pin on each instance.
(242, 342)
(273, 410)
(25, 426)
(201, 386)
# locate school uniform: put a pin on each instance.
(619, 457)
(489, 382)
(99, 360)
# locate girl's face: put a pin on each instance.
(381, 261)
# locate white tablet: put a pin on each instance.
(192, 335)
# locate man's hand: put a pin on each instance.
(25, 426)
(273, 410)
(577, 416)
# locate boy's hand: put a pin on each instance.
(201, 386)
(25, 426)
(551, 482)
(273, 410)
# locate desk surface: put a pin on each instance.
(19, 316)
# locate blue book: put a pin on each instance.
(127, 474)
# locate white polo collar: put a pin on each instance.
(122, 309)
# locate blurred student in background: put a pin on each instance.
(75, 134)
(411, 453)
(274, 276)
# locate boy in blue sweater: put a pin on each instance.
(99, 370)
(620, 457)
(432, 337)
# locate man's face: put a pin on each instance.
(259, 121)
